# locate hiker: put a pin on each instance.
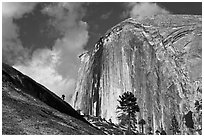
(63, 97)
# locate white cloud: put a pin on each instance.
(16, 9)
(57, 68)
(42, 69)
(144, 9)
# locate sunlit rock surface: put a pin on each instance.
(159, 59)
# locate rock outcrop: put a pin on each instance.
(158, 59)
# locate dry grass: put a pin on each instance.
(24, 114)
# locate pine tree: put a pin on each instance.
(142, 122)
(127, 109)
(149, 130)
(174, 125)
(198, 116)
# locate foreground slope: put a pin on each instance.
(30, 108)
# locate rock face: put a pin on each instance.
(158, 59)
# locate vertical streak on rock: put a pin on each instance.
(96, 70)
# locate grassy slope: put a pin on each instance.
(26, 114)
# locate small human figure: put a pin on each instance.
(63, 97)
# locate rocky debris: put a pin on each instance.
(107, 126)
(29, 108)
(159, 59)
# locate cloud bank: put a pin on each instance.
(141, 10)
(42, 68)
(12, 48)
(55, 68)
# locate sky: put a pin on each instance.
(44, 40)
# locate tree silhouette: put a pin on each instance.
(157, 132)
(142, 123)
(163, 132)
(149, 130)
(198, 116)
(128, 107)
(174, 125)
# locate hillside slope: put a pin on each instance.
(30, 108)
